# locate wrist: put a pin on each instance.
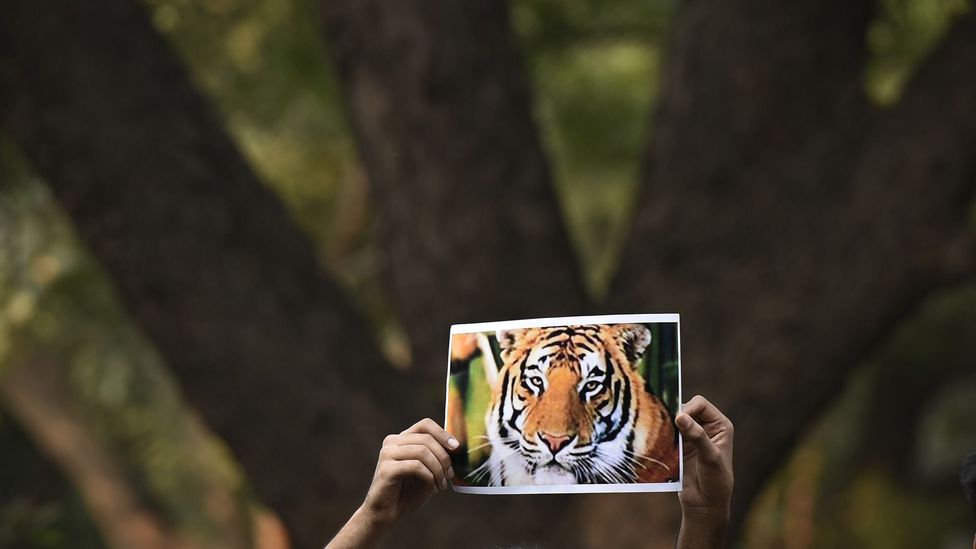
(703, 528)
(705, 516)
(371, 519)
(363, 530)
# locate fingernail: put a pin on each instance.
(443, 484)
(453, 443)
(450, 472)
(683, 421)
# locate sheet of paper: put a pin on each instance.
(565, 405)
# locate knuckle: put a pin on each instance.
(389, 440)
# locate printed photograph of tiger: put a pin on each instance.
(565, 405)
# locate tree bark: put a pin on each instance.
(440, 106)
(790, 224)
(267, 348)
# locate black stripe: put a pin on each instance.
(546, 357)
(515, 413)
(502, 430)
(590, 340)
(630, 448)
(559, 332)
(515, 416)
(607, 420)
(625, 417)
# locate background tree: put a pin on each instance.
(790, 220)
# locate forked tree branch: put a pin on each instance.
(439, 102)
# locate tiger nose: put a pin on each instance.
(555, 442)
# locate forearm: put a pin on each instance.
(702, 532)
(363, 530)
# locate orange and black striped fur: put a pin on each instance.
(569, 407)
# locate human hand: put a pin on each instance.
(706, 494)
(412, 466)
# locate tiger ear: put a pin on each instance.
(633, 339)
(508, 340)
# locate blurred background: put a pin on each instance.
(233, 234)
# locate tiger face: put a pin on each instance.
(565, 408)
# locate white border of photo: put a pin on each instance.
(656, 318)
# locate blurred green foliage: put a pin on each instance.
(476, 395)
(595, 69)
(901, 35)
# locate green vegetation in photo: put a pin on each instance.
(476, 402)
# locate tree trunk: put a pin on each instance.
(441, 109)
(788, 223)
(267, 348)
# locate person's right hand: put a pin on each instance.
(412, 466)
(706, 493)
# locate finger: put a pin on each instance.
(694, 433)
(431, 443)
(431, 427)
(401, 470)
(421, 453)
(704, 411)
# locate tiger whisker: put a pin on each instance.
(478, 474)
(625, 469)
(606, 470)
(634, 455)
(478, 447)
(483, 470)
